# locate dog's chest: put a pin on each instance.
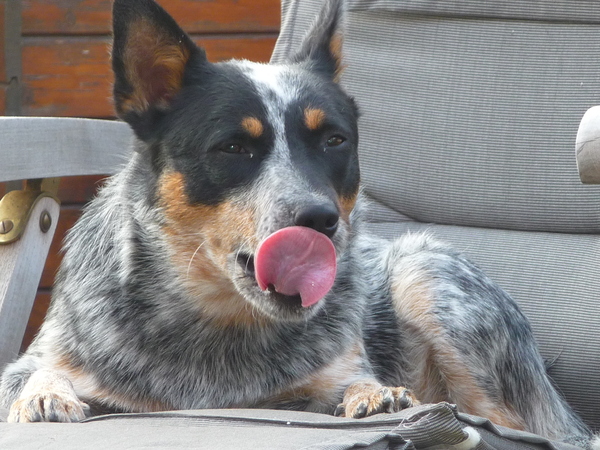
(236, 368)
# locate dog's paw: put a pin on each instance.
(48, 396)
(48, 407)
(364, 399)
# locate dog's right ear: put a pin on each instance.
(149, 56)
(321, 49)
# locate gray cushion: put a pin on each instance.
(419, 427)
(503, 98)
(470, 112)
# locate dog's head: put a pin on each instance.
(242, 151)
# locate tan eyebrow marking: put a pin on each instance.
(253, 126)
(314, 118)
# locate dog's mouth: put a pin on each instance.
(294, 267)
(246, 262)
(287, 302)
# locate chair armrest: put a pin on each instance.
(48, 147)
(587, 147)
(21, 265)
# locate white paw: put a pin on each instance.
(48, 397)
(47, 407)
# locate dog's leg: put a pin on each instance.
(446, 335)
(367, 397)
(464, 340)
(48, 396)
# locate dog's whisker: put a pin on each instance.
(187, 274)
(245, 245)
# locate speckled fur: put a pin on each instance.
(152, 310)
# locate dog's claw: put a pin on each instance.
(364, 399)
(360, 410)
(405, 399)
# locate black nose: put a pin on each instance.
(322, 218)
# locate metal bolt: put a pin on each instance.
(45, 221)
(6, 225)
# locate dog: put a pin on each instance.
(226, 267)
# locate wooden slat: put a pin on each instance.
(62, 146)
(20, 267)
(72, 77)
(68, 17)
(73, 192)
(73, 189)
(38, 313)
(66, 77)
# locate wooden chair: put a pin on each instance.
(39, 150)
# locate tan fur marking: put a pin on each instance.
(154, 66)
(335, 47)
(253, 126)
(328, 384)
(93, 391)
(358, 388)
(200, 239)
(347, 204)
(314, 118)
(442, 375)
(121, 401)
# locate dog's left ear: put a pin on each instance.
(150, 54)
(321, 48)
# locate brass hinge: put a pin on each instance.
(16, 207)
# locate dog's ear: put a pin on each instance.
(149, 56)
(321, 48)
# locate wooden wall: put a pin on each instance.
(54, 61)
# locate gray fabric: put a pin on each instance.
(503, 98)
(469, 122)
(585, 11)
(420, 427)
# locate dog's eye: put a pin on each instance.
(233, 148)
(335, 141)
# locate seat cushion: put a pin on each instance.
(420, 427)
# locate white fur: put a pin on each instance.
(472, 441)
(277, 93)
(271, 77)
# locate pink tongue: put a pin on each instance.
(296, 260)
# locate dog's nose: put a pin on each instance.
(322, 218)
